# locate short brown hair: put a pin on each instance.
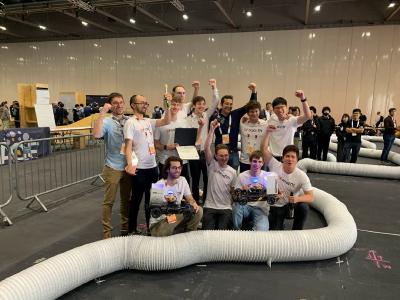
(291, 148)
(112, 96)
(176, 86)
(177, 99)
(221, 147)
(197, 99)
(256, 154)
(253, 105)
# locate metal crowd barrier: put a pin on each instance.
(6, 185)
(47, 165)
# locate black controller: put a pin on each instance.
(251, 195)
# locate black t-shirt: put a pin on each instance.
(354, 138)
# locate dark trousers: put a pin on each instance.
(184, 173)
(309, 143)
(323, 147)
(388, 140)
(340, 151)
(141, 184)
(220, 219)
(354, 148)
(277, 216)
(196, 168)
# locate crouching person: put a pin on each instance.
(255, 212)
(292, 181)
(179, 218)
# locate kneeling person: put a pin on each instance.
(291, 182)
(256, 212)
(175, 188)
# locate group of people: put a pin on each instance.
(9, 113)
(135, 144)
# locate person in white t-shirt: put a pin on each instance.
(256, 212)
(198, 167)
(251, 132)
(175, 189)
(285, 124)
(294, 186)
(217, 209)
(140, 156)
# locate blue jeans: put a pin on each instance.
(254, 214)
(234, 160)
(354, 148)
(388, 140)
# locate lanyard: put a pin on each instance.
(229, 126)
(352, 123)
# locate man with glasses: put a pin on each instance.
(140, 156)
(114, 175)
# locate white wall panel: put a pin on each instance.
(340, 67)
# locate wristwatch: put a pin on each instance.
(303, 100)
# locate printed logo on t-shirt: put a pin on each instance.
(170, 195)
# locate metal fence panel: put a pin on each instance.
(46, 165)
(6, 184)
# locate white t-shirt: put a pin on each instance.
(220, 181)
(166, 135)
(259, 182)
(251, 138)
(141, 133)
(283, 135)
(294, 183)
(179, 190)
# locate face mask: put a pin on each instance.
(345, 120)
(326, 113)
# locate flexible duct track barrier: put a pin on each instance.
(378, 139)
(67, 271)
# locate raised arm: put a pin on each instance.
(166, 120)
(98, 124)
(207, 146)
(202, 124)
(196, 88)
(265, 142)
(215, 98)
(306, 109)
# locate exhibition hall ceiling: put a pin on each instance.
(22, 21)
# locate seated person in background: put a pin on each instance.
(175, 187)
(291, 182)
(257, 211)
(217, 210)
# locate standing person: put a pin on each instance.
(140, 156)
(217, 209)
(310, 130)
(114, 175)
(75, 113)
(354, 131)
(285, 124)
(341, 136)
(177, 188)
(251, 132)
(164, 138)
(228, 131)
(256, 212)
(390, 125)
(199, 167)
(5, 115)
(292, 181)
(268, 111)
(378, 119)
(14, 110)
(326, 128)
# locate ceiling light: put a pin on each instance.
(185, 17)
(42, 27)
(60, 44)
(131, 20)
(84, 23)
(4, 47)
(178, 5)
(249, 13)
(132, 43)
(392, 4)
(317, 7)
(96, 45)
(3, 28)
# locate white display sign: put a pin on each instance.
(42, 96)
(45, 116)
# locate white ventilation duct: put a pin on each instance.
(62, 273)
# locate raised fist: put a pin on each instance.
(214, 124)
(196, 84)
(252, 86)
(201, 122)
(212, 82)
(300, 94)
(168, 96)
(106, 108)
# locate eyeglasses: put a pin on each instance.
(142, 103)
